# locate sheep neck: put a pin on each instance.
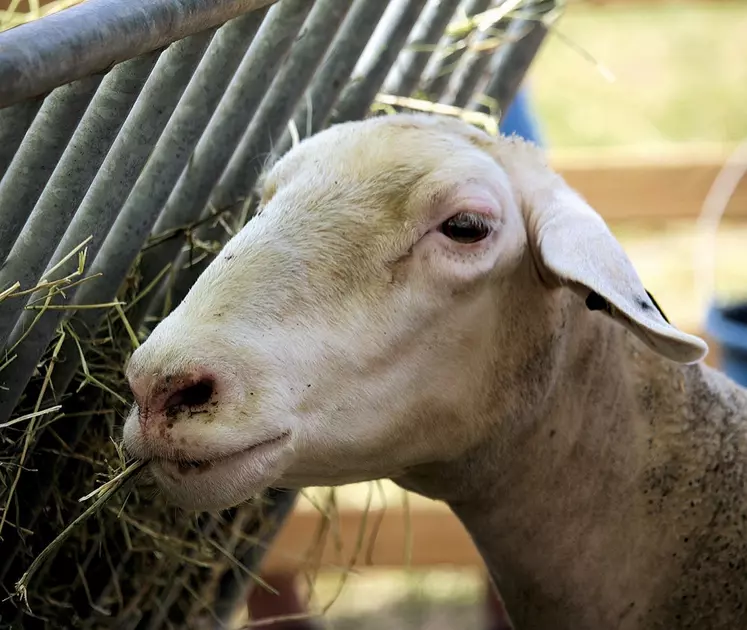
(586, 517)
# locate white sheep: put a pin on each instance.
(418, 301)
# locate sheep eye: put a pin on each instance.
(465, 228)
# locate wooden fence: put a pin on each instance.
(655, 188)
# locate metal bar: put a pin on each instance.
(141, 209)
(279, 505)
(215, 147)
(245, 166)
(512, 61)
(95, 35)
(473, 68)
(104, 199)
(405, 74)
(168, 167)
(312, 113)
(69, 181)
(14, 121)
(437, 78)
(36, 157)
(139, 213)
(358, 95)
(133, 145)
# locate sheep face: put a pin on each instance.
(374, 315)
(334, 338)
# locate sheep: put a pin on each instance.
(419, 301)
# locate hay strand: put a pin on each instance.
(104, 495)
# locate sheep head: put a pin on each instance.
(380, 311)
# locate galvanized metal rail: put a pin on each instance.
(132, 125)
(94, 36)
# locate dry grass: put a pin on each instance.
(15, 15)
(81, 539)
(118, 556)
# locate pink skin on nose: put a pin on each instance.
(159, 397)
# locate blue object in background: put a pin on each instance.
(728, 326)
(519, 119)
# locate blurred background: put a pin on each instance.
(640, 103)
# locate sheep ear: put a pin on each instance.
(574, 247)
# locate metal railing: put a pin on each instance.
(135, 128)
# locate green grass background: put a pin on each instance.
(680, 75)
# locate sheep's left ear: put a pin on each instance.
(574, 247)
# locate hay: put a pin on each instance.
(389, 103)
(476, 36)
(81, 543)
(13, 16)
(128, 555)
(93, 547)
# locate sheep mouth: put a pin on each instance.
(199, 466)
(185, 467)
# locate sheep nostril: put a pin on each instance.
(195, 395)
